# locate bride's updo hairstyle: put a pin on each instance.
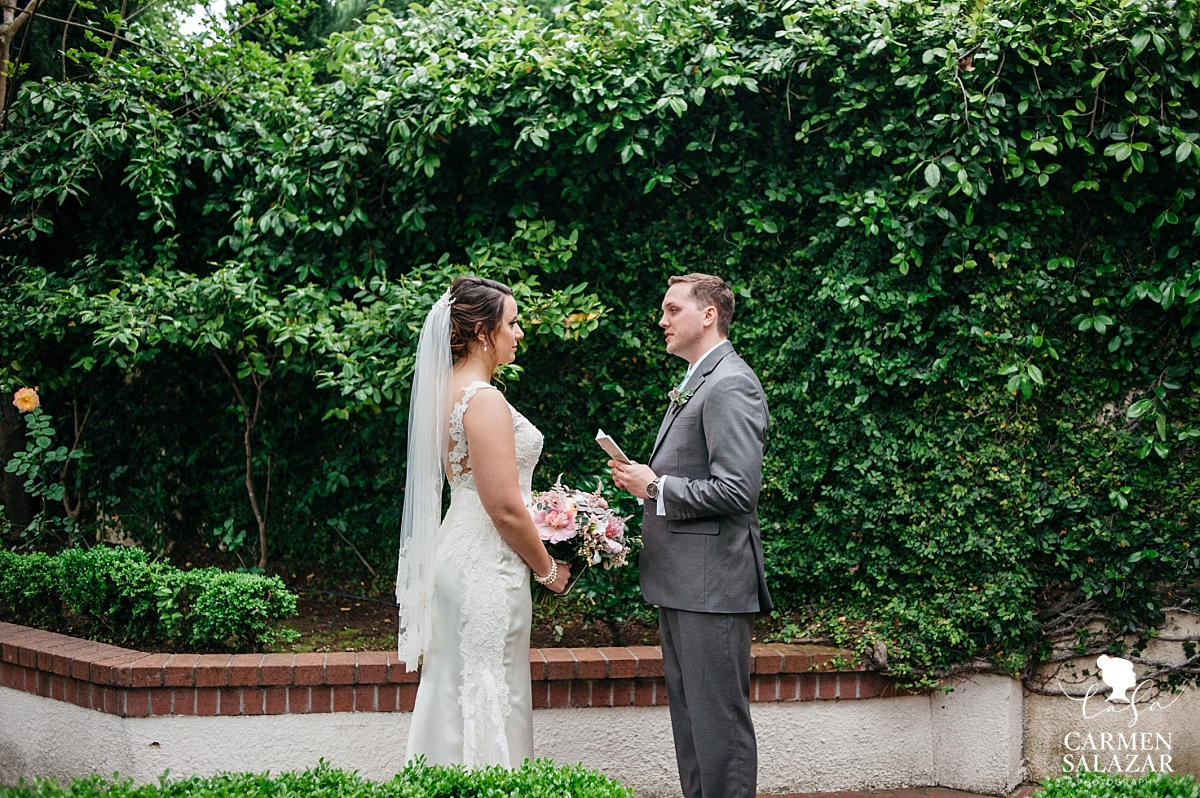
(478, 307)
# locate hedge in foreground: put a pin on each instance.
(541, 778)
(1102, 785)
(125, 598)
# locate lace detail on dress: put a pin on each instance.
(475, 546)
(460, 463)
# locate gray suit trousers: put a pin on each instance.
(706, 661)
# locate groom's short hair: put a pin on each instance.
(708, 289)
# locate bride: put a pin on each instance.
(463, 583)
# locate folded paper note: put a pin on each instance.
(610, 446)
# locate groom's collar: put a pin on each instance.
(707, 362)
(693, 368)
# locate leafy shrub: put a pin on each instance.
(130, 600)
(541, 778)
(1102, 785)
(239, 607)
(27, 589)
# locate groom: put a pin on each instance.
(702, 560)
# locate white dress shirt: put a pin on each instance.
(662, 480)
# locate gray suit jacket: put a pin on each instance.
(705, 554)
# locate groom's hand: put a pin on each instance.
(633, 477)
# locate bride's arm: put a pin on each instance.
(489, 427)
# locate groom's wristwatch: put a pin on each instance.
(652, 490)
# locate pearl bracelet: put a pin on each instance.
(550, 577)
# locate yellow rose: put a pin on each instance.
(26, 399)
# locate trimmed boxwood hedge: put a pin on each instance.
(117, 594)
(1102, 785)
(541, 778)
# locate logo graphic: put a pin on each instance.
(1117, 673)
(1140, 751)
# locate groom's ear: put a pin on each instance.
(710, 316)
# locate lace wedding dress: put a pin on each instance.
(474, 704)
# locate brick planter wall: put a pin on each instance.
(129, 683)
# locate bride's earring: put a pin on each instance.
(485, 347)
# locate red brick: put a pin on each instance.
(148, 671)
(70, 691)
(827, 685)
(10, 647)
(602, 693)
(47, 650)
(389, 698)
(407, 698)
(649, 661)
(868, 685)
(591, 663)
(180, 671)
(207, 701)
(764, 659)
(320, 700)
(243, 670)
(275, 669)
(823, 661)
(343, 699)
(121, 672)
(160, 701)
(808, 686)
(538, 670)
(560, 663)
(643, 693)
(365, 696)
(339, 668)
(308, 669)
(767, 688)
(27, 645)
(252, 701)
(371, 667)
(211, 670)
(229, 701)
(622, 692)
(398, 672)
(64, 656)
(111, 700)
(275, 700)
(58, 687)
(541, 695)
(621, 664)
(83, 694)
(580, 694)
(137, 703)
(299, 700)
(796, 659)
(84, 656)
(560, 694)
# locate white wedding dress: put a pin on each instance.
(474, 703)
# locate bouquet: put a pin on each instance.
(580, 528)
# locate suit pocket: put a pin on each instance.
(703, 526)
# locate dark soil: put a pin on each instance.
(333, 623)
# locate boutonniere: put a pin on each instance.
(679, 398)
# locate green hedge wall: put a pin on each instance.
(960, 238)
(117, 594)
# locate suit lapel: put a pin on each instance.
(694, 384)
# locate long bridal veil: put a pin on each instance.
(428, 415)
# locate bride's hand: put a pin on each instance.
(559, 585)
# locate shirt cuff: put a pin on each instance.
(662, 485)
